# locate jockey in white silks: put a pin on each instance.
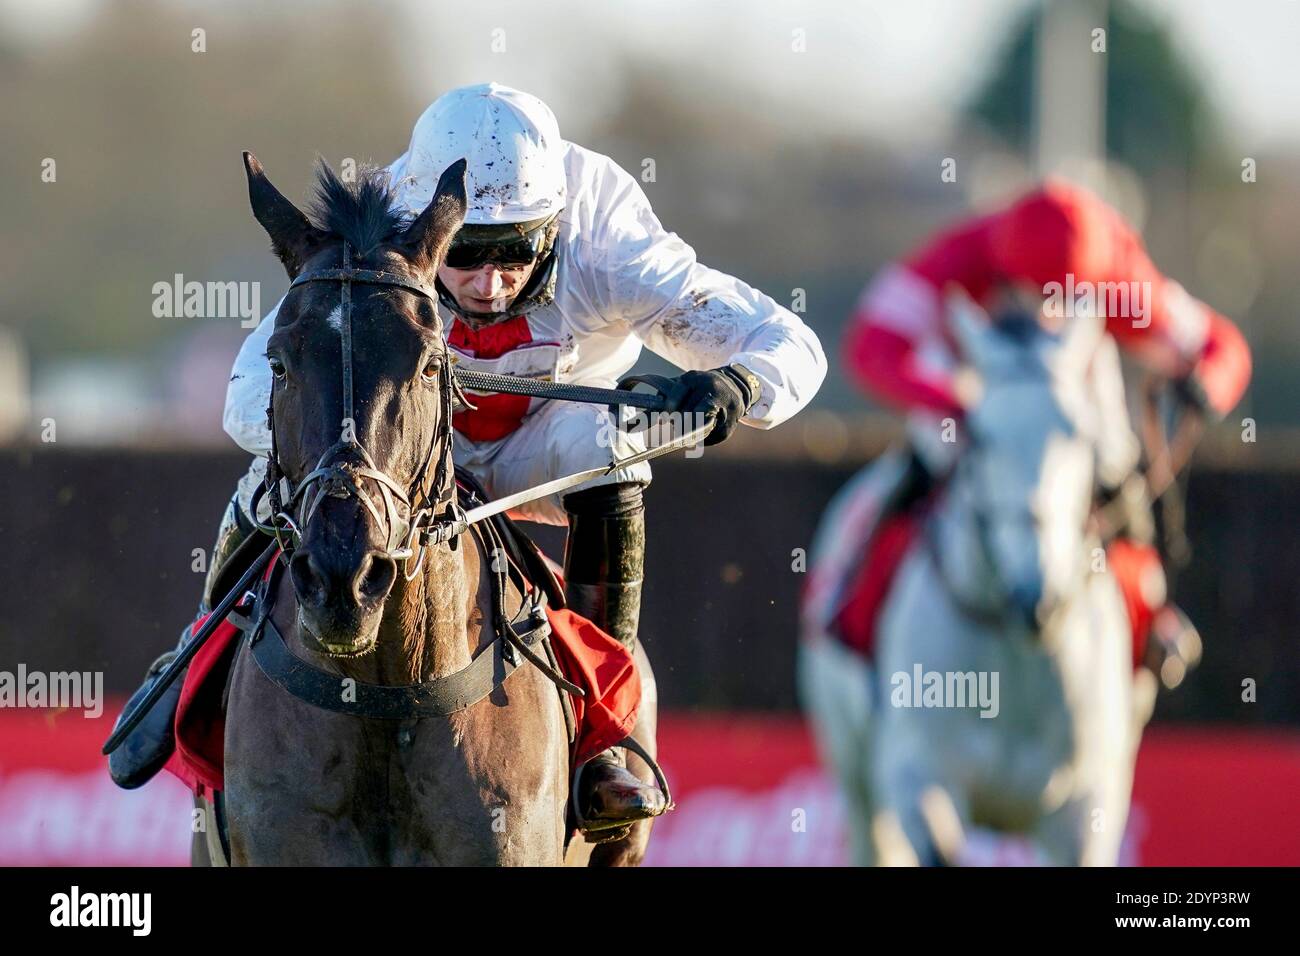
(562, 272)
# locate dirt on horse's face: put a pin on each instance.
(341, 569)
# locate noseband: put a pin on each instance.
(346, 467)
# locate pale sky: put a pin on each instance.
(887, 66)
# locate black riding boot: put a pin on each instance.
(604, 561)
(145, 750)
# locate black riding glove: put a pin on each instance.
(725, 393)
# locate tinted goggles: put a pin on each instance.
(509, 246)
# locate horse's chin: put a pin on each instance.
(343, 640)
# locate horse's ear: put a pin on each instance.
(427, 238)
(293, 237)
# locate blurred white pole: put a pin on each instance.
(1070, 88)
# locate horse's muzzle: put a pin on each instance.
(321, 581)
(341, 598)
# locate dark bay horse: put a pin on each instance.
(377, 591)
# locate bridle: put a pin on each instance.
(345, 468)
(342, 472)
(967, 475)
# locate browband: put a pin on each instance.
(369, 276)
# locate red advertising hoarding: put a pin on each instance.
(748, 788)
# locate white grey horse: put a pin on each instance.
(1000, 702)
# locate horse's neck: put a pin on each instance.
(423, 633)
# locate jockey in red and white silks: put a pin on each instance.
(898, 348)
(1057, 246)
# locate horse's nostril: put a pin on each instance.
(321, 583)
(378, 574)
(308, 580)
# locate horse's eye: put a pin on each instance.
(277, 368)
(431, 369)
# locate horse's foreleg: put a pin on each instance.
(923, 815)
(921, 825)
(836, 691)
(206, 848)
(205, 821)
(1088, 828)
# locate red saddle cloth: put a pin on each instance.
(587, 656)
(855, 624)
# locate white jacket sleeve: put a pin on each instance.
(694, 316)
(248, 395)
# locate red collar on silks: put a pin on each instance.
(587, 656)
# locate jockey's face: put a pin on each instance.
(487, 288)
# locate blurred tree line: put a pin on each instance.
(1221, 237)
(146, 135)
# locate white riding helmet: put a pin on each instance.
(514, 152)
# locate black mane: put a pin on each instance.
(362, 213)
